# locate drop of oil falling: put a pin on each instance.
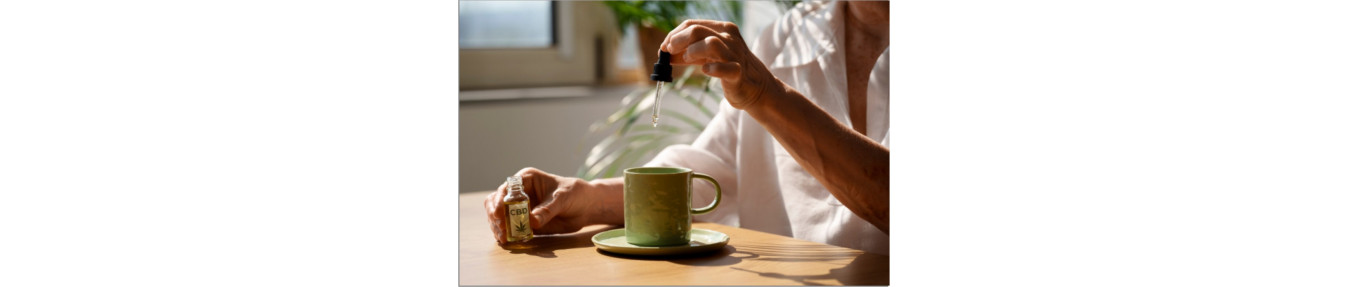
(655, 117)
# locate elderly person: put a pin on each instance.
(800, 143)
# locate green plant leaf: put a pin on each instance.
(699, 103)
(631, 105)
(609, 151)
(640, 150)
(692, 123)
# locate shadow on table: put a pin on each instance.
(545, 246)
(864, 269)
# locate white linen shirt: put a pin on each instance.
(763, 187)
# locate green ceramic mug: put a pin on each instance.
(658, 204)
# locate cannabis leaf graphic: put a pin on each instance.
(521, 227)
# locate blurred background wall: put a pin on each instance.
(531, 88)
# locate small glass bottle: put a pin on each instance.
(517, 210)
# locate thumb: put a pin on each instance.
(544, 213)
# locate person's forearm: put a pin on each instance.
(607, 197)
(854, 168)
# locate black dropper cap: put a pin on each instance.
(662, 69)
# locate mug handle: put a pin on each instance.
(714, 202)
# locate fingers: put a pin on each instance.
(679, 41)
(705, 42)
(496, 214)
(727, 70)
(709, 50)
(557, 204)
(527, 174)
(718, 25)
(535, 183)
(542, 189)
(544, 213)
(718, 47)
(664, 45)
(714, 25)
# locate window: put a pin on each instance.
(506, 24)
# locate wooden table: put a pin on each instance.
(751, 258)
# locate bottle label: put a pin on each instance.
(519, 221)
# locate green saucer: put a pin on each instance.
(702, 241)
